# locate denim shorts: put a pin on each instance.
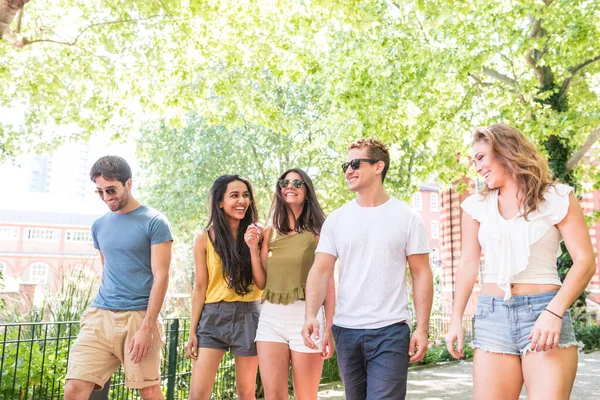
(229, 326)
(504, 326)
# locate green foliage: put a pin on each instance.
(589, 335)
(437, 353)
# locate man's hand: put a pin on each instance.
(310, 333)
(420, 340)
(141, 343)
(328, 345)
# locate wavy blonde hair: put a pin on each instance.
(521, 159)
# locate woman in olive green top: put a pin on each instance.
(280, 267)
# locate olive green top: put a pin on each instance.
(288, 262)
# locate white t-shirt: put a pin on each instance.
(372, 244)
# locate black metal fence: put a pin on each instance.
(34, 356)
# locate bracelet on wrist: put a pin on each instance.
(553, 313)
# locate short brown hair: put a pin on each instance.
(111, 168)
(376, 150)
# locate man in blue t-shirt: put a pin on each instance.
(122, 326)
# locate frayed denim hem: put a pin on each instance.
(477, 346)
(579, 346)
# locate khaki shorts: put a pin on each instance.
(102, 345)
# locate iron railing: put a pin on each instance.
(34, 356)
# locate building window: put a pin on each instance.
(479, 184)
(38, 273)
(481, 269)
(42, 234)
(9, 232)
(433, 202)
(79, 236)
(435, 229)
(434, 259)
(417, 201)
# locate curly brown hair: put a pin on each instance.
(521, 159)
(376, 149)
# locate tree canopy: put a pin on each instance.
(258, 86)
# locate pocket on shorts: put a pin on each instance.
(535, 310)
(482, 311)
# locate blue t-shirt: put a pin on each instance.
(125, 241)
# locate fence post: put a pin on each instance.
(172, 359)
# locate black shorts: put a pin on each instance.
(229, 326)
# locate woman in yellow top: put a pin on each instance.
(281, 269)
(225, 304)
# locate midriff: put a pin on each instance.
(517, 289)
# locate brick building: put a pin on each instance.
(38, 247)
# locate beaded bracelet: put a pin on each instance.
(553, 313)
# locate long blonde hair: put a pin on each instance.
(520, 158)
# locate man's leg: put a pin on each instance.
(76, 389)
(91, 359)
(386, 351)
(351, 361)
(152, 393)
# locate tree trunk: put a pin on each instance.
(8, 11)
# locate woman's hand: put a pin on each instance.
(253, 237)
(455, 334)
(545, 334)
(191, 347)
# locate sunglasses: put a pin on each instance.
(109, 191)
(283, 183)
(355, 164)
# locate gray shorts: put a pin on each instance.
(229, 326)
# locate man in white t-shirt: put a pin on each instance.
(373, 236)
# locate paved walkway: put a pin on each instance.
(453, 381)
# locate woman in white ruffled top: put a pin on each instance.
(523, 327)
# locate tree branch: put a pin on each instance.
(500, 77)
(575, 70)
(575, 158)
(122, 21)
(19, 20)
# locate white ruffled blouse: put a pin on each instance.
(520, 250)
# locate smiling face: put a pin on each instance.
(363, 177)
(487, 166)
(292, 195)
(236, 200)
(114, 193)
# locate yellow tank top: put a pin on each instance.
(217, 289)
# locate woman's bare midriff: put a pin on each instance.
(517, 289)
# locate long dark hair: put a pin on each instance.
(234, 253)
(311, 218)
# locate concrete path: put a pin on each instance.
(453, 381)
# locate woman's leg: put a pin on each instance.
(274, 361)
(204, 371)
(245, 376)
(496, 376)
(306, 373)
(549, 375)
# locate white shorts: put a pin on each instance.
(282, 323)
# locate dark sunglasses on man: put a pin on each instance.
(297, 183)
(109, 191)
(355, 164)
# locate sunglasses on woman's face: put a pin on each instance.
(355, 164)
(297, 183)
